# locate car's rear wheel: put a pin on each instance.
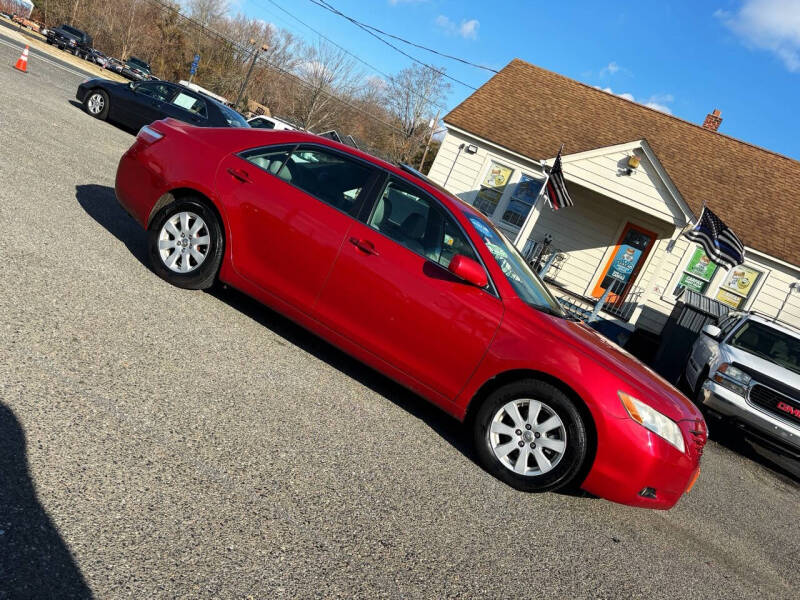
(185, 244)
(96, 104)
(532, 436)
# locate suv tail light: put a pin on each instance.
(148, 135)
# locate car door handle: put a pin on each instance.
(240, 174)
(364, 246)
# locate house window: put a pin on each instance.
(738, 286)
(492, 188)
(697, 273)
(525, 194)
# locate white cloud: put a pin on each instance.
(772, 25)
(610, 69)
(656, 101)
(467, 29)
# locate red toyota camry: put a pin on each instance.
(412, 281)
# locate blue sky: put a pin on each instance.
(687, 58)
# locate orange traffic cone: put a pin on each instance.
(22, 62)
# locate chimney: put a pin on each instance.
(713, 120)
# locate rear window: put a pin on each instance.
(73, 31)
(193, 105)
(233, 118)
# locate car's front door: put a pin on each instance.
(289, 209)
(390, 291)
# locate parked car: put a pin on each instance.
(138, 103)
(97, 57)
(746, 369)
(417, 284)
(114, 64)
(265, 122)
(71, 39)
(136, 69)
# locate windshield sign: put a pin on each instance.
(769, 344)
(525, 282)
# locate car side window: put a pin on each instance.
(154, 89)
(413, 219)
(272, 160)
(328, 176)
(261, 123)
(194, 105)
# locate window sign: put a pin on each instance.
(525, 194)
(624, 261)
(738, 286)
(698, 272)
(492, 188)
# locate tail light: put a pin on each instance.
(148, 135)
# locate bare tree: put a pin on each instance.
(327, 72)
(411, 96)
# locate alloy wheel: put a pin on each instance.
(96, 103)
(184, 242)
(527, 437)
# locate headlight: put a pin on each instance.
(733, 379)
(651, 419)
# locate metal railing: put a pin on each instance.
(610, 303)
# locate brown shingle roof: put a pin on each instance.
(533, 111)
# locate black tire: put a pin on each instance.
(89, 104)
(567, 469)
(204, 275)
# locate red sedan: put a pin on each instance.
(417, 284)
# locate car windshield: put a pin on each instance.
(233, 118)
(525, 282)
(768, 343)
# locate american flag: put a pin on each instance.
(720, 243)
(556, 187)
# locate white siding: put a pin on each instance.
(604, 173)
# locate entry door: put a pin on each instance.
(390, 292)
(289, 210)
(626, 261)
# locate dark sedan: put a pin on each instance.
(136, 104)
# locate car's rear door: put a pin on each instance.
(148, 101)
(390, 291)
(187, 106)
(289, 209)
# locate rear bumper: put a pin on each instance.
(136, 186)
(631, 458)
(762, 424)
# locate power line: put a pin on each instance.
(328, 7)
(358, 58)
(410, 43)
(260, 58)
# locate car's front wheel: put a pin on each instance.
(531, 435)
(185, 244)
(96, 104)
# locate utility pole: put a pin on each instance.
(263, 48)
(430, 137)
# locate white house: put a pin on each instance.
(638, 177)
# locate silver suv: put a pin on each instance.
(747, 369)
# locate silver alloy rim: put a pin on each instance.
(527, 437)
(96, 103)
(183, 242)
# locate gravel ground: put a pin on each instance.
(161, 443)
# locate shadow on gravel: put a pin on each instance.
(119, 126)
(101, 204)
(34, 560)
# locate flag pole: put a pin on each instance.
(527, 226)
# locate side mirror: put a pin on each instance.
(132, 85)
(712, 331)
(469, 270)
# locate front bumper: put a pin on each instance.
(735, 407)
(631, 458)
